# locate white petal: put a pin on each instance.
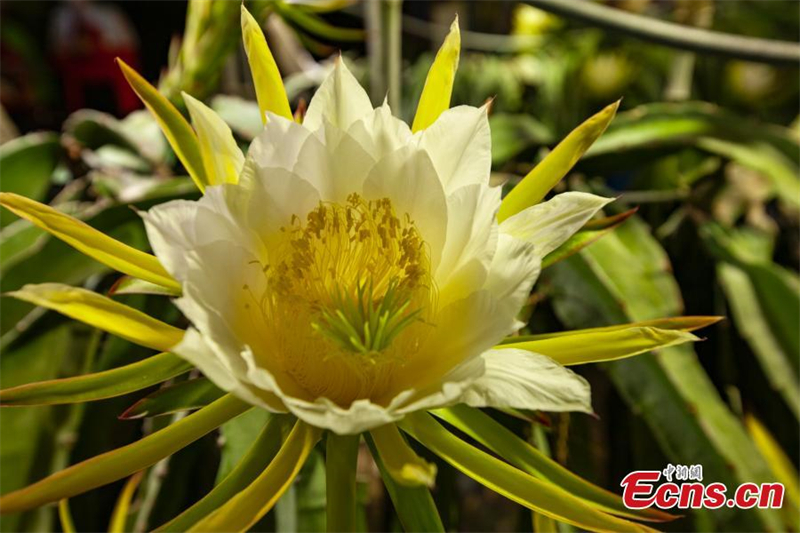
(220, 299)
(215, 287)
(380, 133)
(197, 351)
(471, 240)
(274, 380)
(408, 179)
(330, 159)
(337, 166)
(275, 196)
(549, 224)
(460, 145)
(515, 267)
(176, 227)
(523, 380)
(362, 415)
(279, 143)
(340, 99)
(463, 330)
(448, 392)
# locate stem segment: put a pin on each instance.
(384, 44)
(675, 35)
(341, 455)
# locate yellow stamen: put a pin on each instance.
(347, 296)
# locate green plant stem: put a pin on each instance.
(699, 14)
(286, 511)
(675, 35)
(384, 44)
(152, 485)
(393, 17)
(414, 505)
(67, 433)
(341, 454)
(377, 83)
(496, 43)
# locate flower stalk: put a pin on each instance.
(384, 41)
(341, 456)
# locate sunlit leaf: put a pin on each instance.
(662, 125)
(19, 240)
(107, 384)
(103, 313)
(626, 276)
(28, 163)
(26, 434)
(124, 461)
(757, 330)
(764, 300)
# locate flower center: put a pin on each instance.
(360, 266)
(348, 296)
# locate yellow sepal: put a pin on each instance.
(544, 176)
(90, 241)
(270, 92)
(103, 313)
(435, 97)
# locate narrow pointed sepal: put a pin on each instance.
(248, 506)
(177, 130)
(544, 176)
(611, 342)
(435, 97)
(89, 241)
(122, 462)
(222, 158)
(405, 466)
(99, 385)
(103, 313)
(535, 494)
(270, 92)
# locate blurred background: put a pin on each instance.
(705, 148)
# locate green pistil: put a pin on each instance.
(365, 324)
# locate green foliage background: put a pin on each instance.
(705, 146)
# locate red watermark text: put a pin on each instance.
(645, 488)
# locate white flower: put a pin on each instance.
(357, 272)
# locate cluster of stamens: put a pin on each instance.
(359, 266)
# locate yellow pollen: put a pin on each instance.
(348, 297)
